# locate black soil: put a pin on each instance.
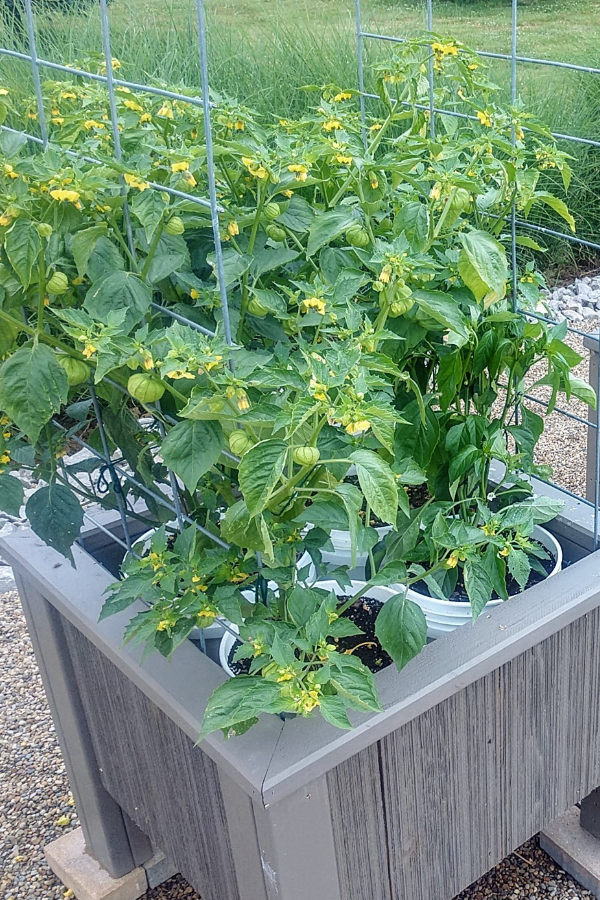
(512, 586)
(364, 646)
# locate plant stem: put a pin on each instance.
(41, 288)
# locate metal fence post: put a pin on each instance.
(591, 343)
(110, 836)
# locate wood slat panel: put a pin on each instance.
(170, 788)
(359, 828)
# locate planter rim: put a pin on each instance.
(274, 759)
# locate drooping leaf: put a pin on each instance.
(83, 243)
(11, 494)
(401, 628)
(326, 227)
(104, 260)
(238, 701)
(478, 584)
(355, 682)
(378, 484)
(519, 567)
(483, 266)
(333, 710)
(148, 208)
(191, 448)
(56, 516)
(33, 387)
(23, 246)
(260, 470)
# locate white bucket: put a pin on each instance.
(444, 616)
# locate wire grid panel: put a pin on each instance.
(515, 223)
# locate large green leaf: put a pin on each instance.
(33, 387)
(56, 516)
(191, 448)
(119, 291)
(83, 243)
(416, 440)
(149, 208)
(239, 701)
(519, 567)
(11, 494)
(327, 227)
(378, 484)
(354, 682)
(333, 710)
(401, 628)
(479, 585)
(23, 246)
(298, 215)
(259, 472)
(483, 266)
(443, 309)
(171, 255)
(105, 259)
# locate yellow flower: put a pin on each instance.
(60, 194)
(285, 674)
(180, 373)
(145, 117)
(442, 50)
(484, 118)
(91, 123)
(3, 92)
(344, 160)
(242, 401)
(5, 458)
(6, 435)
(212, 363)
(135, 182)
(233, 228)
(288, 193)
(358, 427)
(314, 303)
(319, 390)
(89, 350)
(301, 171)
(375, 127)
(374, 182)
(5, 220)
(68, 95)
(343, 95)
(452, 561)
(505, 550)
(255, 168)
(4, 420)
(239, 125)
(332, 125)
(32, 116)
(182, 166)
(165, 111)
(435, 191)
(194, 294)
(162, 626)
(131, 104)
(385, 273)
(473, 66)
(189, 179)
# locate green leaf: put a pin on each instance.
(559, 206)
(239, 528)
(33, 387)
(483, 266)
(119, 291)
(401, 629)
(333, 710)
(327, 227)
(443, 309)
(240, 700)
(11, 494)
(170, 256)
(83, 244)
(191, 448)
(260, 470)
(269, 258)
(105, 259)
(55, 515)
(352, 499)
(519, 567)
(582, 390)
(479, 586)
(234, 265)
(23, 246)
(298, 215)
(378, 484)
(355, 682)
(417, 440)
(148, 208)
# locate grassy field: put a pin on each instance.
(264, 51)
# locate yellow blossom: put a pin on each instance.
(145, 117)
(358, 427)
(68, 95)
(182, 166)
(189, 179)
(239, 125)
(213, 363)
(301, 171)
(288, 193)
(314, 303)
(374, 182)
(162, 626)
(3, 92)
(255, 168)
(375, 127)
(32, 116)
(484, 118)
(60, 194)
(385, 274)
(6, 435)
(332, 125)
(135, 182)
(5, 220)
(285, 674)
(89, 350)
(131, 104)
(343, 95)
(319, 390)
(5, 458)
(180, 373)
(473, 66)
(344, 160)
(452, 561)
(166, 112)
(435, 192)
(442, 50)
(233, 228)
(91, 123)
(194, 294)
(4, 420)
(242, 401)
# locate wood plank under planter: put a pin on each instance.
(485, 738)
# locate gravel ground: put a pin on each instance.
(36, 806)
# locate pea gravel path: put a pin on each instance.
(36, 806)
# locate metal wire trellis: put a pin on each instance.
(117, 473)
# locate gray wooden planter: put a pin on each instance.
(485, 738)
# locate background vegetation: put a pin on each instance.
(264, 51)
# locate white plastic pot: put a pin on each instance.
(444, 616)
(341, 555)
(383, 594)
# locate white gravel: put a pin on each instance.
(36, 806)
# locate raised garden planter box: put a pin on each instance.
(486, 737)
